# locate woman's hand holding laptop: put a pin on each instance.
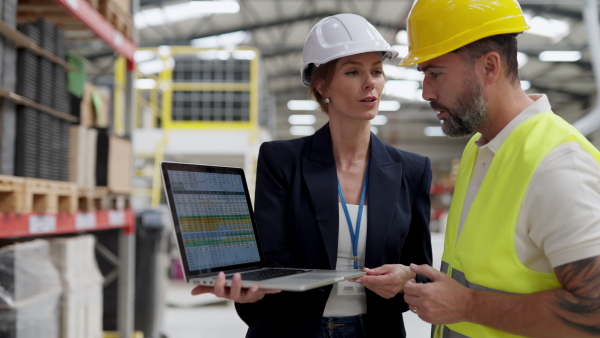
(235, 292)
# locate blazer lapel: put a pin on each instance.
(385, 180)
(318, 170)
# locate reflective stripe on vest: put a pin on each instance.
(460, 277)
(484, 257)
(447, 333)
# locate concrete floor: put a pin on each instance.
(206, 316)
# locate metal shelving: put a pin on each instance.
(30, 223)
(34, 224)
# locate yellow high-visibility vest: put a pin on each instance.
(484, 257)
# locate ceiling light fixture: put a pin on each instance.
(389, 105)
(159, 16)
(560, 56)
(243, 54)
(550, 28)
(222, 40)
(522, 59)
(145, 84)
(402, 50)
(525, 85)
(379, 120)
(433, 131)
(402, 37)
(144, 55)
(302, 130)
(394, 72)
(214, 7)
(302, 105)
(302, 119)
(403, 89)
(151, 67)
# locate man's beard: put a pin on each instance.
(468, 114)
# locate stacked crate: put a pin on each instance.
(9, 12)
(42, 140)
(27, 65)
(27, 147)
(8, 15)
(8, 136)
(27, 140)
(61, 100)
(8, 80)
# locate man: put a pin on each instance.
(522, 247)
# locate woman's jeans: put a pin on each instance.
(342, 327)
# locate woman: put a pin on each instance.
(339, 199)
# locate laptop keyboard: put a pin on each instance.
(268, 273)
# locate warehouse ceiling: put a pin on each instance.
(277, 28)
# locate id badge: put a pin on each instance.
(346, 288)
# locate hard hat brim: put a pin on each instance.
(310, 68)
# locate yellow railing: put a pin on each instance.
(159, 101)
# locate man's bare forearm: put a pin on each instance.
(573, 311)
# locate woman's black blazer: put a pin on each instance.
(296, 209)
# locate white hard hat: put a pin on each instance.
(341, 35)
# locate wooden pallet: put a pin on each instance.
(94, 3)
(101, 198)
(26, 195)
(91, 200)
(46, 196)
(32, 195)
(119, 200)
(119, 18)
(11, 193)
(31, 10)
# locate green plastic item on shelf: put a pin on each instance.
(99, 105)
(77, 78)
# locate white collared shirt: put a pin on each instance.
(559, 221)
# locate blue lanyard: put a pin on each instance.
(354, 235)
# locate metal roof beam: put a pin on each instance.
(555, 11)
(263, 25)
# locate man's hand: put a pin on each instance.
(387, 280)
(443, 301)
(235, 292)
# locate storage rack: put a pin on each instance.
(62, 216)
(202, 95)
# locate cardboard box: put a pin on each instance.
(95, 107)
(82, 156)
(120, 166)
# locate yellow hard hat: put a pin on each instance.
(437, 27)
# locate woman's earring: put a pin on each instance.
(327, 100)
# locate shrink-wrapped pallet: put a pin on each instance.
(30, 291)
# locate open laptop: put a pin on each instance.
(216, 231)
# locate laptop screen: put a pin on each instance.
(212, 215)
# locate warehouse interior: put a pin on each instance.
(96, 93)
